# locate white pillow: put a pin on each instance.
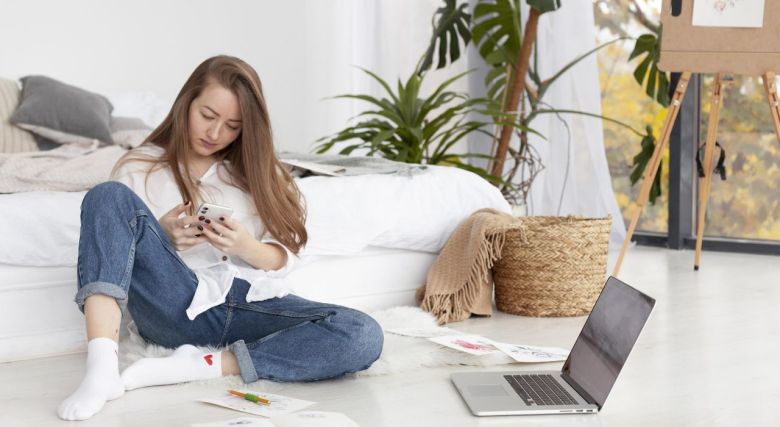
(420, 212)
(145, 105)
(129, 132)
(130, 138)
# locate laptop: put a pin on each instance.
(584, 382)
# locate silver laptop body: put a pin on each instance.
(584, 382)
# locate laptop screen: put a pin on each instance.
(607, 338)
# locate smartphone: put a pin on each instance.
(213, 212)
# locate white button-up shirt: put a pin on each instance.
(215, 270)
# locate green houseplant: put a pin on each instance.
(405, 127)
(495, 26)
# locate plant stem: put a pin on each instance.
(518, 83)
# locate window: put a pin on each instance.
(623, 99)
(747, 204)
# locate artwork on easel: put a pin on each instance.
(728, 13)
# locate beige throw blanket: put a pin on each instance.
(460, 283)
(71, 167)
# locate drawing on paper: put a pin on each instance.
(472, 344)
(728, 13)
(721, 5)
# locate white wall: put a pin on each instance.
(303, 50)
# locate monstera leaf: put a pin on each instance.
(496, 29)
(497, 33)
(642, 159)
(647, 74)
(453, 21)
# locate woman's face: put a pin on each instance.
(215, 120)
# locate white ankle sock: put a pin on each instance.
(100, 384)
(187, 363)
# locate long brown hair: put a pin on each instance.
(254, 167)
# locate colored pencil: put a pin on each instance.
(250, 397)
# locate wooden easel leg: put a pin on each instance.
(709, 154)
(652, 166)
(774, 102)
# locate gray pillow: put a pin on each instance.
(61, 113)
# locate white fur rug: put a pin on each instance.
(400, 353)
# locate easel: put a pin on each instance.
(710, 50)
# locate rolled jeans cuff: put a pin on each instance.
(103, 288)
(245, 365)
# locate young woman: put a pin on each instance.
(189, 281)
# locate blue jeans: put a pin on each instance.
(125, 254)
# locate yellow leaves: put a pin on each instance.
(622, 199)
(771, 232)
(625, 100)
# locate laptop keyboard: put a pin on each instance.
(540, 389)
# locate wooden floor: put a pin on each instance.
(710, 355)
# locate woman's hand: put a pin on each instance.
(181, 232)
(229, 236)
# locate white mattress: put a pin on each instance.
(38, 317)
(377, 278)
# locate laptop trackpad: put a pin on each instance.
(487, 391)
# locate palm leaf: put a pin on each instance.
(439, 96)
(384, 104)
(381, 82)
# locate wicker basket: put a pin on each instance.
(552, 266)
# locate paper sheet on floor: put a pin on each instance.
(298, 419)
(280, 405)
(471, 344)
(480, 346)
(238, 422)
(531, 354)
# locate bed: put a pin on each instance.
(372, 239)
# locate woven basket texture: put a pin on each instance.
(552, 266)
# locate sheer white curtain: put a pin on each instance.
(386, 37)
(575, 179)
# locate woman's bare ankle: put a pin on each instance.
(229, 364)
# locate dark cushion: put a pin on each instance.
(61, 113)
